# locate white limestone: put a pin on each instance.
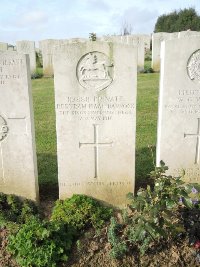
(179, 108)
(135, 40)
(95, 99)
(157, 38)
(46, 47)
(28, 47)
(188, 33)
(18, 166)
(3, 46)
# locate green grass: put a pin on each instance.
(44, 113)
(146, 121)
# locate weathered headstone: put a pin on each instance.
(178, 143)
(147, 41)
(135, 40)
(138, 40)
(188, 33)
(46, 47)
(3, 46)
(28, 47)
(18, 167)
(157, 38)
(95, 98)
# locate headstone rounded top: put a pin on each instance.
(95, 71)
(193, 66)
(3, 128)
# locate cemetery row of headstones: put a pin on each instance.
(142, 42)
(95, 103)
(47, 47)
(158, 38)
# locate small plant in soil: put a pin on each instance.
(153, 217)
(41, 243)
(15, 210)
(81, 212)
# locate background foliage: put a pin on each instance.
(182, 20)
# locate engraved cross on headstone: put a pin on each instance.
(96, 145)
(14, 125)
(197, 135)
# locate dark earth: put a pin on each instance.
(93, 248)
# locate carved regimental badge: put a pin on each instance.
(3, 128)
(95, 71)
(193, 66)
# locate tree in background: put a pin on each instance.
(176, 21)
(126, 28)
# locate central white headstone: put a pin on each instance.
(95, 93)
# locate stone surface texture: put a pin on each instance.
(28, 47)
(95, 100)
(18, 165)
(3, 46)
(178, 143)
(135, 40)
(157, 38)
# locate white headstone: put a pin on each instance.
(135, 40)
(188, 33)
(147, 41)
(46, 46)
(28, 47)
(178, 143)
(95, 98)
(47, 49)
(138, 41)
(18, 166)
(157, 38)
(3, 46)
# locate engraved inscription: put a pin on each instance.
(5, 65)
(96, 146)
(96, 108)
(18, 126)
(95, 71)
(189, 174)
(3, 128)
(193, 66)
(96, 184)
(197, 136)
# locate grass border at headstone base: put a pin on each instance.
(44, 114)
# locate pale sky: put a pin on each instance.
(62, 19)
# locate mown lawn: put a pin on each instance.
(44, 113)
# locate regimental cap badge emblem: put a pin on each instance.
(95, 71)
(193, 66)
(3, 128)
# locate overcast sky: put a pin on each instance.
(45, 19)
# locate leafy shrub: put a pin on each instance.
(15, 209)
(39, 59)
(118, 246)
(41, 243)
(147, 70)
(153, 212)
(81, 212)
(38, 74)
(148, 56)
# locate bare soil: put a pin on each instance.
(93, 248)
